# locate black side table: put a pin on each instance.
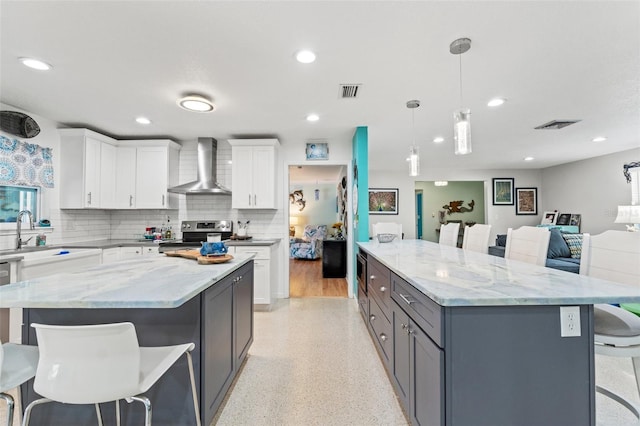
(334, 258)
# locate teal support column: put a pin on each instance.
(360, 217)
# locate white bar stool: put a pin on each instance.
(476, 238)
(17, 365)
(92, 364)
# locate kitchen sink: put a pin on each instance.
(38, 263)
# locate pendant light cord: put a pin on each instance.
(413, 125)
(460, 80)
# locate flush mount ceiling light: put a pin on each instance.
(528, 158)
(196, 103)
(313, 117)
(441, 183)
(462, 116)
(599, 139)
(305, 56)
(143, 120)
(35, 64)
(438, 139)
(414, 155)
(495, 102)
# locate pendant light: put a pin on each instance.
(414, 155)
(462, 116)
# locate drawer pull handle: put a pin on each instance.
(383, 288)
(407, 300)
(410, 331)
(383, 337)
(372, 317)
(404, 326)
(372, 277)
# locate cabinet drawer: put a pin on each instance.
(379, 284)
(260, 252)
(424, 311)
(363, 303)
(381, 328)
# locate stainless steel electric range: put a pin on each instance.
(194, 232)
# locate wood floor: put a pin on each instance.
(305, 280)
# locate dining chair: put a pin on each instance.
(17, 366)
(528, 244)
(92, 364)
(387, 228)
(449, 234)
(615, 256)
(476, 238)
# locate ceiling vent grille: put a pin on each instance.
(557, 124)
(349, 91)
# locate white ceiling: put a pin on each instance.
(115, 60)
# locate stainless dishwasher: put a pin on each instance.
(5, 278)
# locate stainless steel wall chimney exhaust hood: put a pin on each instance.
(206, 183)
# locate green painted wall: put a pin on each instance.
(435, 197)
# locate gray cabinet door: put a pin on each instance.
(243, 313)
(217, 346)
(401, 354)
(427, 379)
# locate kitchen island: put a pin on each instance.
(170, 301)
(473, 339)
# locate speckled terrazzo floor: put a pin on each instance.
(312, 362)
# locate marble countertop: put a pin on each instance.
(150, 282)
(454, 277)
(252, 242)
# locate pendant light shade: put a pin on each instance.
(462, 116)
(414, 161)
(462, 131)
(414, 154)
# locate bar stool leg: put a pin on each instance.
(10, 407)
(147, 405)
(193, 388)
(27, 411)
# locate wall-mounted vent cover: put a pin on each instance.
(349, 91)
(557, 124)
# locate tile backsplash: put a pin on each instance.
(70, 226)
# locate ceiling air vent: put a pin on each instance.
(557, 124)
(349, 91)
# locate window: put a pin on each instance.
(13, 199)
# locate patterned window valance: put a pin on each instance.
(25, 164)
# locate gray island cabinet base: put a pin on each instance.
(472, 341)
(219, 320)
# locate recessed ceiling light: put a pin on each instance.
(35, 64)
(599, 139)
(495, 102)
(438, 139)
(407, 159)
(229, 162)
(143, 120)
(196, 103)
(313, 117)
(528, 158)
(305, 56)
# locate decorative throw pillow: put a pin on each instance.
(501, 240)
(557, 245)
(574, 241)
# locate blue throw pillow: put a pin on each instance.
(557, 245)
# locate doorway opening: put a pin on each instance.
(317, 247)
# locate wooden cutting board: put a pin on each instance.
(195, 255)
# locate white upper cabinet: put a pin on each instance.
(253, 173)
(87, 175)
(100, 172)
(126, 177)
(148, 168)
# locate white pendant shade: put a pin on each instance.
(462, 131)
(414, 161)
(628, 214)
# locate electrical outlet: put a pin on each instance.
(569, 321)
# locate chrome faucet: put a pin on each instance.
(19, 242)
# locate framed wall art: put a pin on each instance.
(526, 201)
(383, 201)
(502, 191)
(317, 151)
(549, 218)
(563, 219)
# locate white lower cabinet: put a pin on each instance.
(123, 253)
(264, 271)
